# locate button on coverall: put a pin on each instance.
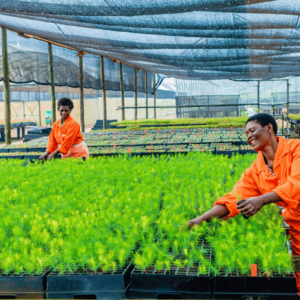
(257, 181)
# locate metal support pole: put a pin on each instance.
(40, 117)
(81, 100)
(122, 90)
(6, 88)
(103, 93)
(258, 99)
(154, 96)
(135, 93)
(146, 94)
(51, 82)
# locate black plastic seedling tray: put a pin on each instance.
(166, 286)
(37, 149)
(240, 287)
(84, 285)
(13, 150)
(177, 283)
(23, 286)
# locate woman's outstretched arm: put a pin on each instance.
(219, 210)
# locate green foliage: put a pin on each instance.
(260, 240)
(219, 122)
(103, 214)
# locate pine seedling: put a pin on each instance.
(202, 269)
(178, 263)
(167, 263)
(159, 265)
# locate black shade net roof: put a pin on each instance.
(28, 62)
(187, 39)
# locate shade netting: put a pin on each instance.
(195, 39)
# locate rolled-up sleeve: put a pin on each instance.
(244, 188)
(68, 140)
(290, 190)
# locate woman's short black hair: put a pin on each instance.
(65, 102)
(263, 120)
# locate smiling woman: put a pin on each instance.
(274, 177)
(65, 136)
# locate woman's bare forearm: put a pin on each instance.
(219, 210)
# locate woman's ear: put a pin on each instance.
(270, 128)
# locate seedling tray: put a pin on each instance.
(12, 150)
(23, 286)
(37, 149)
(162, 286)
(109, 285)
(3, 150)
(177, 283)
(239, 287)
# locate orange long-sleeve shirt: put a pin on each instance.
(66, 136)
(257, 179)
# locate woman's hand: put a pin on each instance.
(219, 210)
(191, 223)
(44, 156)
(51, 156)
(251, 206)
(254, 204)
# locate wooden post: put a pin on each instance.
(6, 88)
(39, 100)
(103, 94)
(154, 96)
(51, 82)
(287, 107)
(135, 94)
(258, 99)
(122, 90)
(81, 100)
(146, 93)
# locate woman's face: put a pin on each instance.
(258, 136)
(64, 112)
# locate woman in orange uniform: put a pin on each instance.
(274, 177)
(65, 136)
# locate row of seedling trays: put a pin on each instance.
(167, 146)
(19, 125)
(131, 152)
(130, 282)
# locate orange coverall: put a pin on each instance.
(67, 136)
(257, 181)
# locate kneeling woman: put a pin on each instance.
(65, 136)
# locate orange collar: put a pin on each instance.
(281, 150)
(69, 119)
